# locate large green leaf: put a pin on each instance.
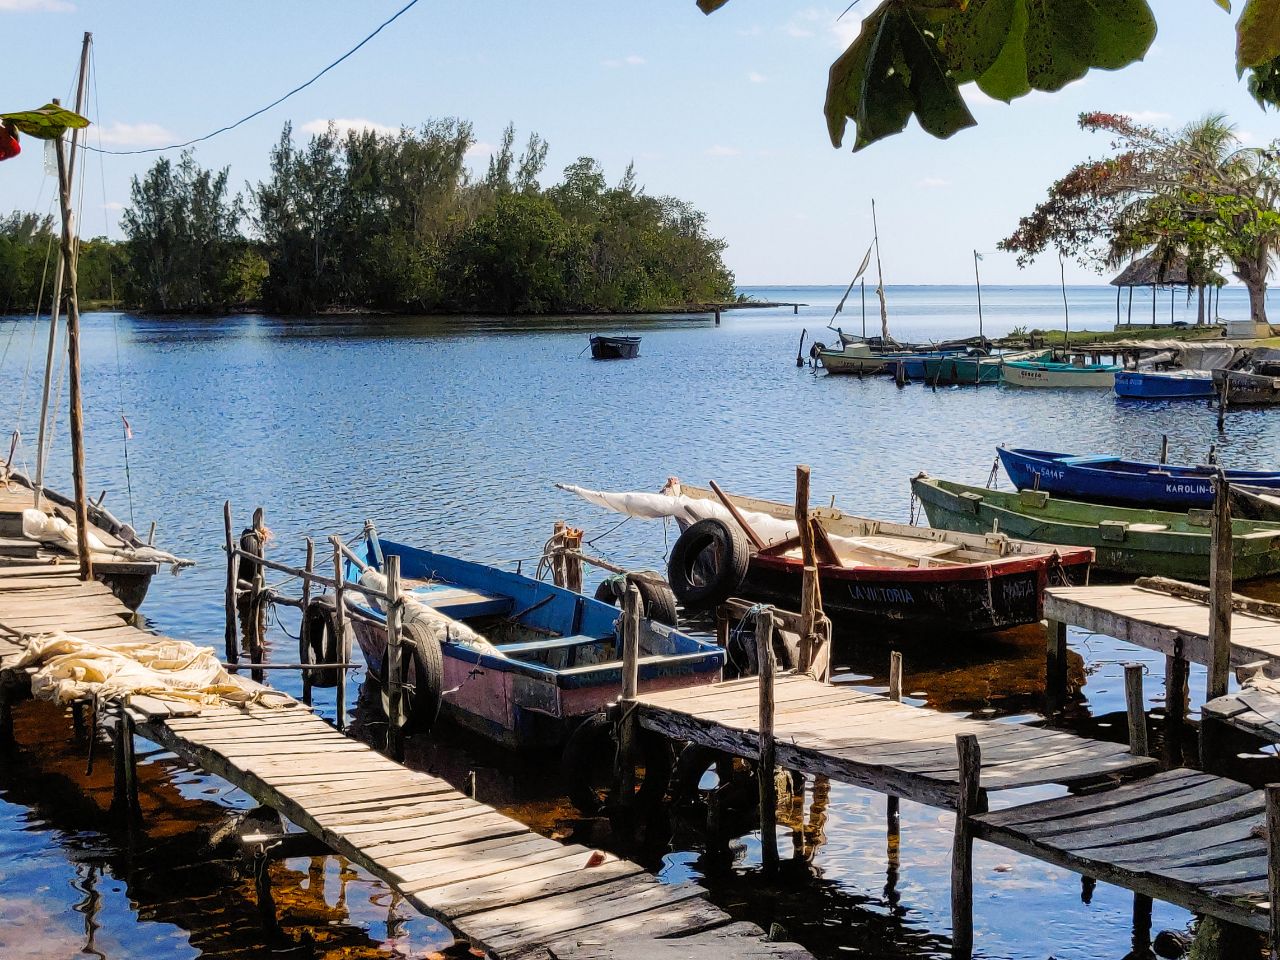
(935, 94)
(1065, 38)
(1258, 34)
(711, 6)
(988, 44)
(47, 123)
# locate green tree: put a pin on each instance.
(182, 230)
(1194, 190)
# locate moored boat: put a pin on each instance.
(1126, 541)
(1163, 384)
(869, 569)
(1255, 503)
(974, 368)
(519, 661)
(1108, 479)
(857, 358)
(615, 348)
(1046, 373)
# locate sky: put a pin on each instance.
(724, 111)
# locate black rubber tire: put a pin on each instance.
(657, 599)
(590, 740)
(318, 640)
(725, 545)
(422, 676)
(593, 742)
(691, 764)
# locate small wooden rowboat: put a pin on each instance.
(615, 348)
(1044, 373)
(1127, 541)
(856, 358)
(889, 572)
(545, 657)
(1104, 479)
(1255, 503)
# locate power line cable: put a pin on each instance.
(274, 103)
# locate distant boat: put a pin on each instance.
(513, 658)
(856, 358)
(1164, 384)
(1126, 541)
(1108, 479)
(1046, 373)
(615, 348)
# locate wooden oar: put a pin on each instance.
(754, 537)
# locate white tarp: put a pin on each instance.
(439, 626)
(69, 668)
(44, 528)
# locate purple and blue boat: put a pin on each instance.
(1113, 480)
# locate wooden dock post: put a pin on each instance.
(124, 798)
(1141, 924)
(1176, 695)
(892, 804)
(1055, 675)
(765, 769)
(628, 730)
(557, 554)
(394, 661)
(340, 624)
(571, 553)
(233, 578)
(1136, 709)
(969, 803)
(717, 316)
(304, 655)
(255, 609)
(815, 655)
(1273, 869)
(1164, 448)
(1220, 611)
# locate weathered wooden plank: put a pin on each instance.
(1048, 810)
(533, 883)
(1153, 828)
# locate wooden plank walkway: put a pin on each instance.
(1185, 837)
(1158, 621)
(1255, 712)
(871, 741)
(496, 883)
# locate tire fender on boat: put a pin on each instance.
(593, 743)
(318, 640)
(422, 676)
(708, 563)
(657, 599)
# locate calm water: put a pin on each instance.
(451, 433)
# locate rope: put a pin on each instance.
(274, 103)
(592, 542)
(994, 475)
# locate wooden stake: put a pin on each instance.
(1176, 695)
(1164, 444)
(628, 730)
(258, 596)
(810, 588)
(1141, 924)
(892, 807)
(1055, 683)
(765, 769)
(1220, 602)
(734, 512)
(233, 575)
(125, 796)
(1273, 869)
(392, 658)
(557, 554)
(1136, 709)
(340, 624)
(970, 760)
(306, 602)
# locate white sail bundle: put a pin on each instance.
(439, 626)
(40, 526)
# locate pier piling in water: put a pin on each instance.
(1136, 709)
(767, 667)
(394, 662)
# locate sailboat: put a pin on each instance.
(58, 527)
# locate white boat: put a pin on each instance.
(1043, 373)
(854, 358)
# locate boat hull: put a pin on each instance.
(1057, 375)
(1141, 385)
(1098, 479)
(615, 348)
(1248, 389)
(855, 360)
(976, 599)
(1116, 534)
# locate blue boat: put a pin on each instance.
(515, 659)
(1103, 479)
(1164, 385)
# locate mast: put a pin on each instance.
(58, 277)
(978, 283)
(864, 308)
(72, 299)
(884, 311)
(1066, 314)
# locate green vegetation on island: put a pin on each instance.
(367, 221)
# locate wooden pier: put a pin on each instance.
(488, 877)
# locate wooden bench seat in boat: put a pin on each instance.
(458, 602)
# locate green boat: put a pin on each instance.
(1127, 541)
(975, 368)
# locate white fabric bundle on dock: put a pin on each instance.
(69, 668)
(54, 530)
(439, 626)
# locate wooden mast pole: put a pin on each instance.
(58, 284)
(978, 283)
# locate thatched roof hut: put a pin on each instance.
(1157, 270)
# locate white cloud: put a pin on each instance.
(720, 150)
(831, 24)
(752, 31)
(630, 60)
(117, 134)
(1148, 117)
(113, 205)
(36, 6)
(756, 77)
(933, 183)
(1246, 137)
(345, 125)
(481, 150)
